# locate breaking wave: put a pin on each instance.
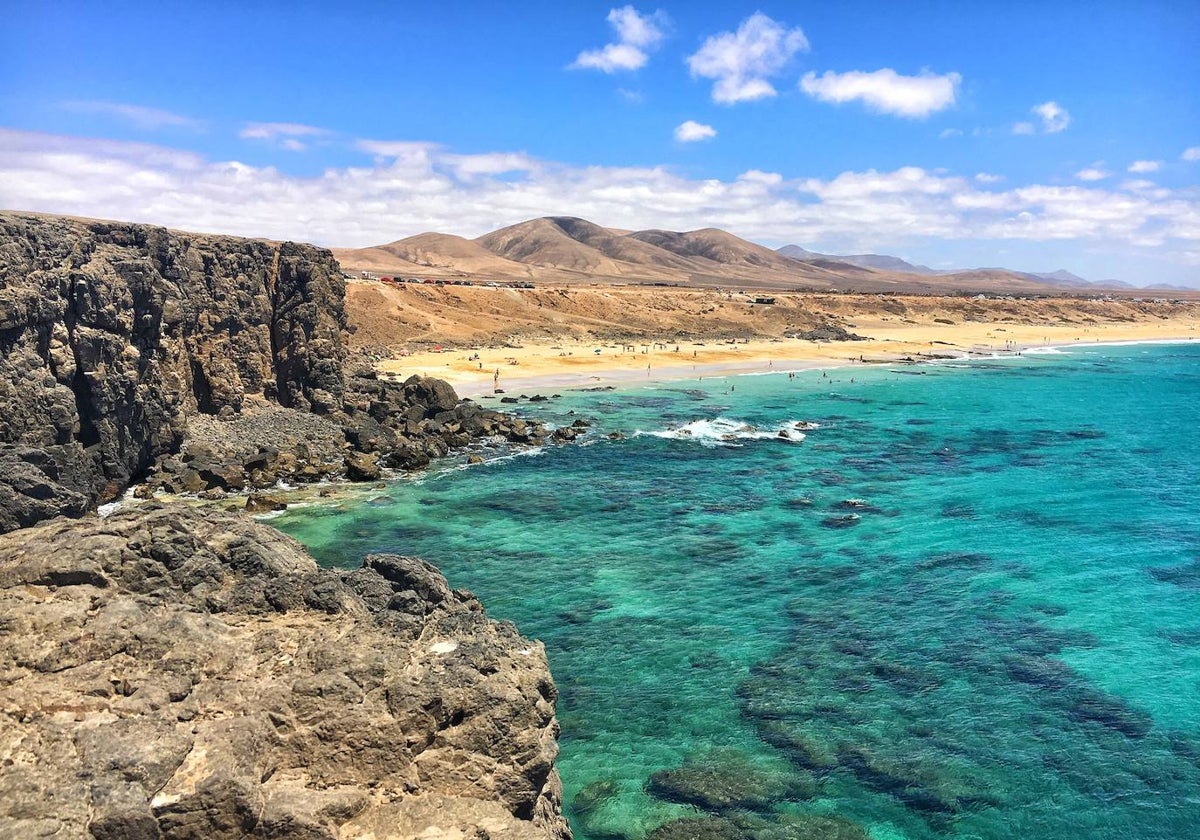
(723, 431)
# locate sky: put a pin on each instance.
(1030, 135)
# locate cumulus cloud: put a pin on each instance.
(138, 115)
(885, 91)
(1054, 117)
(1191, 154)
(1092, 173)
(988, 178)
(405, 187)
(691, 131)
(637, 34)
(740, 62)
(1143, 166)
(1024, 128)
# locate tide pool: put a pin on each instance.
(949, 601)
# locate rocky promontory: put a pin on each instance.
(174, 673)
(170, 672)
(117, 340)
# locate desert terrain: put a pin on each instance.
(479, 338)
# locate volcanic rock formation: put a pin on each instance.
(177, 673)
(113, 337)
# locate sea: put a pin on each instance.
(955, 600)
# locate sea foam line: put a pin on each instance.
(724, 431)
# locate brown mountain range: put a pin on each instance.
(564, 249)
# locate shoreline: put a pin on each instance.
(572, 364)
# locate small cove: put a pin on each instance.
(964, 605)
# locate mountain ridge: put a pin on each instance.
(569, 249)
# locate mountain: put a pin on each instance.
(566, 249)
(1062, 277)
(878, 262)
(798, 253)
(439, 254)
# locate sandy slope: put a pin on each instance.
(547, 338)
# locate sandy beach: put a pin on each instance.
(476, 370)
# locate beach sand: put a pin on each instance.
(569, 363)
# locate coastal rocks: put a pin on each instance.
(362, 467)
(826, 332)
(169, 672)
(114, 334)
(198, 363)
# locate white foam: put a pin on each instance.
(723, 431)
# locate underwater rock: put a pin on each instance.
(726, 780)
(813, 827)
(700, 828)
(848, 520)
(1186, 575)
(1041, 672)
(903, 780)
(1095, 706)
(801, 748)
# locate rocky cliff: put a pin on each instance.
(113, 337)
(176, 673)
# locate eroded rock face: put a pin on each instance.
(202, 364)
(112, 334)
(175, 673)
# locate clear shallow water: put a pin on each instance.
(1004, 644)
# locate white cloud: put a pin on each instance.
(272, 131)
(1143, 166)
(691, 131)
(284, 135)
(1092, 173)
(740, 62)
(947, 133)
(1054, 117)
(138, 115)
(988, 178)
(405, 187)
(1024, 128)
(1191, 154)
(636, 35)
(885, 91)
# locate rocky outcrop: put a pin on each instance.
(118, 340)
(175, 673)
(112, 334)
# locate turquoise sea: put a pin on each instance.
(966, 604)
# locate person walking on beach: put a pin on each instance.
(496, 380)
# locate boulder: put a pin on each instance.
(362, 467)
(190, 673)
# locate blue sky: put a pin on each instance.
(1030, 135)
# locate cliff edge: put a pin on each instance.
(176, 673)
(117, 340)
